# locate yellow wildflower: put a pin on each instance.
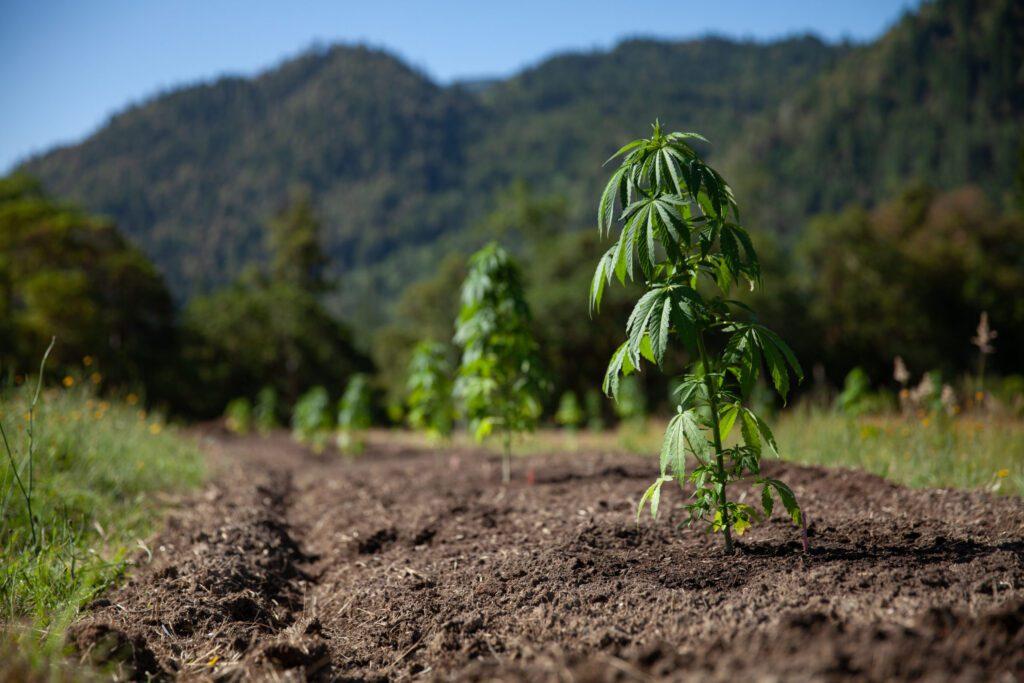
(155, 428)
(1003, 474)
(68, 381)
(87, 361)
(132, 399)
(96, 378)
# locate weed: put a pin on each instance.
(500, 382)
(680, 236)
(354, 414)
(429, 386)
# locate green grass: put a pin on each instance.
(966, 452)
(933, 451)
(102, 472)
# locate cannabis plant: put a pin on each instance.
(311, 418)
(238, 416)
(264, 412)
(680, 237)
(354, 413)
(500, 382)
(570, 414)
(430, 402)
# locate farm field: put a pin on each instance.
(416, 562)
(341, 350)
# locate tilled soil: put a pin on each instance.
(421, 564)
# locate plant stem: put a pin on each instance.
(717, 436)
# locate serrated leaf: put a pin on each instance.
(601, 277)
(766, 434)
(726, 419)
(610, 386)
(653, 496)
(788, 499)
(750, 431)
(659, 331)
(695, 438)
(776, 368)
(767, 502)
(625, 148)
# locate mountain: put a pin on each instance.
(404, 170)
(939, 98)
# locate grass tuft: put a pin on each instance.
(101, 471)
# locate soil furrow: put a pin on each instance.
(401, 564)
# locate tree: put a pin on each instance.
(293, 240)
(246, 337)
(500, 383)
(67, 274)
(680, 236)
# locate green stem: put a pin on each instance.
(717, 436)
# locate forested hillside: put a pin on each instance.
(403, 170)
(939, 98)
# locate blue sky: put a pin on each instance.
(67, 65)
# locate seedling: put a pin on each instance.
(500, 382)
(354, 414)
(680, 236)
(431, 407)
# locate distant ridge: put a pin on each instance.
(402, 169)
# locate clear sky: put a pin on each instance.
(67, 65)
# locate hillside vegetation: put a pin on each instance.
(848, 159)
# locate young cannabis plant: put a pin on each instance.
(264, 410)
(238, 416)
(355, 413)
(681, 238)
(500, 383)
(431, 407)
(311, 418)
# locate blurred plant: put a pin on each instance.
(265, 410)
(17, 468)
(429, 386)
(500, 383)
(354, 414)
(238, 415)
(595, 413)
(569, 414)
(680, 238)
(983, 338)
(630, 401)
(853, 398)
(311, 418)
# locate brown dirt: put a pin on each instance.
(420, 564)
